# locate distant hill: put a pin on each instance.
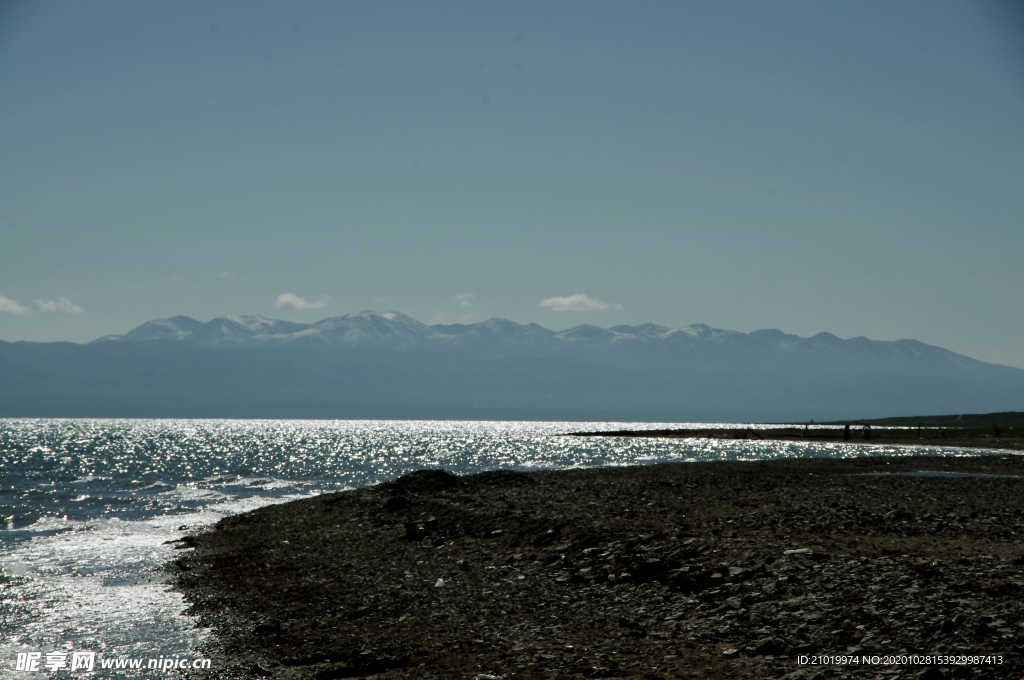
(371, 365)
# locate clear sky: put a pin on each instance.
(851, 167)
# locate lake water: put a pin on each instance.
(86, 506)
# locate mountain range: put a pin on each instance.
(373, 365)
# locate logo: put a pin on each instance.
(31, 662)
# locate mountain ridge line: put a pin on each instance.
(382, 366)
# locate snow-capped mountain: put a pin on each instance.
(362, 330)
(396, 331)
(373, 365)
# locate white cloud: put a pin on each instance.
(465, 299)
(61, 304)
(227, 276)
(8, 305)
(576, 303)
(292, 301)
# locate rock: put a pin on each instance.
(415, 531)
(363, 665)
(930, 673)
(801, 674)
(267, 628)
(396, 503)
(628, 623)
(768, 647)
(423, 481)
(545, 538)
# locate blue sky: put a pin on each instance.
(851, 167)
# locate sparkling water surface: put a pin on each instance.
(87, 505)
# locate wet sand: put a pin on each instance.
(702, 570)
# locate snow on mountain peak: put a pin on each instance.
(368, 329)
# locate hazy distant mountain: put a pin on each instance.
(395, 331)
(392, 366)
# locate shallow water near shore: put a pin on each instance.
(86, 506)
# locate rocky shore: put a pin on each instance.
(702, 570)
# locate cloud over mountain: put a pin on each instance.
(292, 301)
(574, 303)
(61, 304)
(10, 306)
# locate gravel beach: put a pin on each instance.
(704, 570)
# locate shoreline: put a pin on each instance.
(989, 438)
(675, 570)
